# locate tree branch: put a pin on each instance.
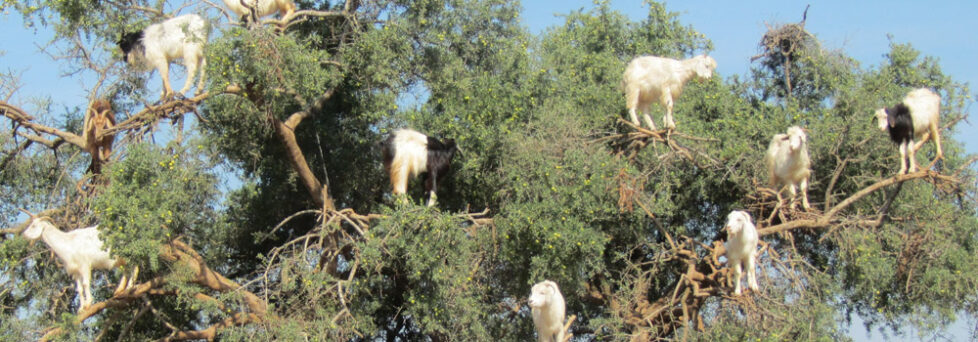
(826, 219)
(286, 133)
(20, 117)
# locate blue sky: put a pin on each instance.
(942, 29)
(945, 30)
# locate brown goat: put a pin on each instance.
(98, 119)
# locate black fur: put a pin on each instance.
(439, 159)
(388, 150)
(130, 41)
(440, 156)
(900, 123)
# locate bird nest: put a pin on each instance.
(785, 41)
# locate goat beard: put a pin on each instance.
(137, 59)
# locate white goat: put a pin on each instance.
(547, 306)
(159, 44)
(741, 248)
(917, 117)
(788, 164)
(650, 79)
(80, 251)
(262, 7)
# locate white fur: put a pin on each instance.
(80, 251)
(411, 158)
(183, 38)
(788, 163)
(651, 79)
(925, 110)
(548, 310)
(262, 7)
(741, 248)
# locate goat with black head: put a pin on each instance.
(159, 44)
(408, 154)
(917, 117)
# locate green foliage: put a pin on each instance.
(431, 268)
(154, 195)
(536, 120)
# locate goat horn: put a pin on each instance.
(28, 213)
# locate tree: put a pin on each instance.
(550, 185)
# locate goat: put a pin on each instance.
(80, 251)
(917, 117)
(547, 306)
(788, 164)
(741, 247)
(98, 118)
(159, 44)
(408, 153)
(650, 79)
(260, 8)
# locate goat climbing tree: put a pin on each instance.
(258, 209)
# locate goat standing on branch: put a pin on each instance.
(788, 164)
(741, 248)
(548, 308)
(98, 119)
(408, 153)
(650, 79)
(159, 44)
(80, 251)
(260, 8)
(917, 117)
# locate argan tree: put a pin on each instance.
(258, 208)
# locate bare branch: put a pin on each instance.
(20, 117)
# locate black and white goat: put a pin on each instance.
(159, 44)
(408, 153)
(917, 117)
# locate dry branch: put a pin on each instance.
(829, 217)
(179, 253)
(23, 119)
(700, 275)
(633, 142)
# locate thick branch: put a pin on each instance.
(172, 108)
(178, 251)
(826, 219)
(286, 133)
(21, 117)
(211, 332)
(299, 164)
(349, 7)
(306, 13)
